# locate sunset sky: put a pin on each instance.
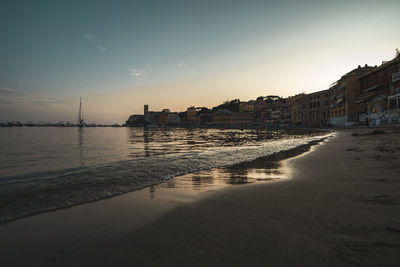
(119, 55)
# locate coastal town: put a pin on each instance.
(200, 133)
(367, 95)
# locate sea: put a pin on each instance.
(47, 168)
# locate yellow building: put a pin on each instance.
(246, 107)
(296, 105)
(192, 117)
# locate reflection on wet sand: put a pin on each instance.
(217, 178)
(152, 191)
(264, 169)
(146, 141)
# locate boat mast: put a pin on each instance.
(80, 119)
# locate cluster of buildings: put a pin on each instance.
(367, 95)
(164, 117)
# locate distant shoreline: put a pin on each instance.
(238, 127)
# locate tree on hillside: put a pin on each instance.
(232, 106)
(203, 110)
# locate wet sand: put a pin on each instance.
(340, 207)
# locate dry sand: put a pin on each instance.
(340, 208)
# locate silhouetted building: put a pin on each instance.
(309, 110)
(378, 89)
(316, 109)
(226, 117)
(296, 105)
(344, 108)
(193, 119)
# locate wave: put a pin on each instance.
(28, 195)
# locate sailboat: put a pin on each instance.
(80, 119)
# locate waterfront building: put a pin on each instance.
(193, 119)
(269, 109)
(174, 119)
(276, 115)
(393, 111)
(286, 111)
(345, 110)
(315, 112)
(261, 110)
(198, 116)
(308, 110)
(295, 107)
(277, 110)
(149, 117)
(246, 107)
(205, 118)
(379, 90)
(166, 117)
(226, 117)
(182, 118)
(163, 117)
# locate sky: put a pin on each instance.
(120, 55)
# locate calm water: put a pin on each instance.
(48, 168)
(38, 151)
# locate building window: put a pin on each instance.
(392, 103)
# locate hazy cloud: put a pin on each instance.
(92, 38)
(8, 92)
(101, 48)
(140, 74)
(13, 96)
(180, 64)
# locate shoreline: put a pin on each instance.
(338, 209)
(47, 204)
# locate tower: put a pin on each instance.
(146, 108)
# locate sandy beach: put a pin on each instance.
(338, 207)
